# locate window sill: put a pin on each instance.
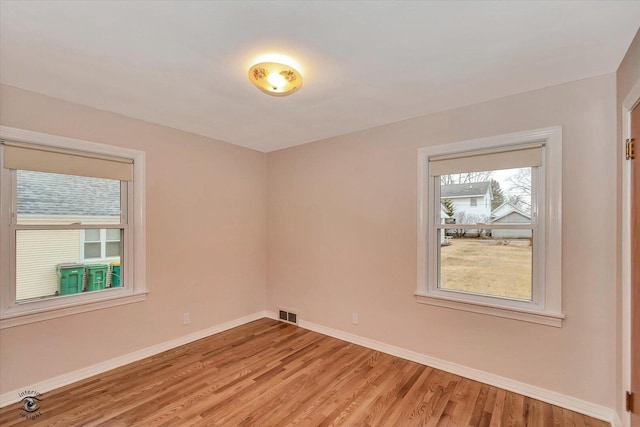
(540, 317)
(17, 316)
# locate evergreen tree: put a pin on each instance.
(498, 195)
(449, 209)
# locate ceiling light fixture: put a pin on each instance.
(275, 79)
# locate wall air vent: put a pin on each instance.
(288, 316)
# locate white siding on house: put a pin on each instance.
(512, 218)
(510, 234)
(503, 209)
(482, 210)
(37, 254)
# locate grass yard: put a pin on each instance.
(487, 267)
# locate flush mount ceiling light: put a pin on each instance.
(275, 79)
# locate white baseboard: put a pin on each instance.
(552, 397)
(548, 396)
(71, 377)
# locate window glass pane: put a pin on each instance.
(112, 249)
(497, 265)
(48, 265)
(92, 250)
(49, 198)
(488, 197)
(113, 234)
(92, 235)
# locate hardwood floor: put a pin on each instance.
(268, 373)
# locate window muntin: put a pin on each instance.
(539, 150)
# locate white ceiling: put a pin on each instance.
(184, 63)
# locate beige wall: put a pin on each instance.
(629, 71)
(205, 242)
(342, 215)
(627, 78)
(341, 220)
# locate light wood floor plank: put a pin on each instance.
(268, 373)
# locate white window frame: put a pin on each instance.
(103, 247)
(14, 313)
(546, 305)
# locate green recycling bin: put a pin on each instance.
(96, 276)
(70, 277)
(115, 274)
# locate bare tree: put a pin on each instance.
(464, 218)
(517, 201)
(466, 178)
(520, 190)
(461, 218)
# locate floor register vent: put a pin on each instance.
(288, 316)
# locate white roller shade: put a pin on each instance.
(487, 160)
(44, 159)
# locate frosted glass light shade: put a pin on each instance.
(275, 79)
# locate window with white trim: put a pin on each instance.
(500, 258)
(101, 244)
(69, 223)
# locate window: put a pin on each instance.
(500, 257)
(92, 244)
(101, 244)
(68, 224)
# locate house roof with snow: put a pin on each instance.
(42, 193)
(470, 189)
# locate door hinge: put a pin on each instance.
(629, 404)
(630, 149)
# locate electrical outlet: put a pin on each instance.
(354, 318)
(186, 318)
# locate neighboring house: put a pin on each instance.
(506, 208)
(507, 213)
(47, 199)
(473, 200)
(471, 203)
